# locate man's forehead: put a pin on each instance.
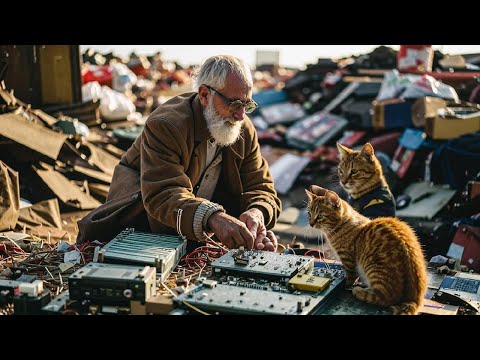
(238, 90)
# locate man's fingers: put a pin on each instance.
(272, 239)
(253, 229)
(269, 246)
(245, 238)
(259, 246)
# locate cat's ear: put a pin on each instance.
(333, 198)
(311, 196)
(344, 151)
(317, 190)
(367, 151)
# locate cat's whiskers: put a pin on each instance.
(322, 250)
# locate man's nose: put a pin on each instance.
(239, 114)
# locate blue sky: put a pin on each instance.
(290, 55)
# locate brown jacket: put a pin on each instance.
(168, 158)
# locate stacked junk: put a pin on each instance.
(418, 108)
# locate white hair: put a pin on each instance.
(214, 70)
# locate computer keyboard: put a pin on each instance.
(468, 285)
(461, 284)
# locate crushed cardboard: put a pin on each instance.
(31, 135)
(66, 190)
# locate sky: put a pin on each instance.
(295, 56)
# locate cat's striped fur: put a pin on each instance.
(385, 252)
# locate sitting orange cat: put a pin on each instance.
(361, 175)
(385, 252)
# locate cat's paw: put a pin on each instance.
(359, 292)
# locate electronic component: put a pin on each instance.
(329, 272)
(262, 264)
(466, 288)
(8, 288)
(309, 282)
(27, 278)
(159, 305)
(58, 305)
(25, 304)
(238, 300)
(241, 258)
(31, 289)
(140, 248)
(210, 283)
(112, 284)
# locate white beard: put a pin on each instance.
(222, 131)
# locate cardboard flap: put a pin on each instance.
(45, 213)
(66, 190)
(50, 120)
(9, 197)
(115, 151)
(7, 97)
(93, 173)
(99, 189)
(31, 135)
(102, 159)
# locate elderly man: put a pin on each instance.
(196, 168)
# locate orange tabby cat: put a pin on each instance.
(361, 176)
(385, 252)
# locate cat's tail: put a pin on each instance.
(406, 308)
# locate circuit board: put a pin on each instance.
(329, 272)
(344, 303)
(261, 264)
(238, 295)
(254, 300)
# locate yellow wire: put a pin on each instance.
(195, 308)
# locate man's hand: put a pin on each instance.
(230, 231)
(264, 240)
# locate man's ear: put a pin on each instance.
(203, 94)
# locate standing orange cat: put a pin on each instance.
(384, 252)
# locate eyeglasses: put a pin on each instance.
(235, 105)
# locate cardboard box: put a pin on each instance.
(449, 127)
(426, 107)
(391, 113)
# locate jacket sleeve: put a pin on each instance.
(166, 188)
(257, 181)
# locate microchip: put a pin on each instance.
(309, 282)
(241, 259)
